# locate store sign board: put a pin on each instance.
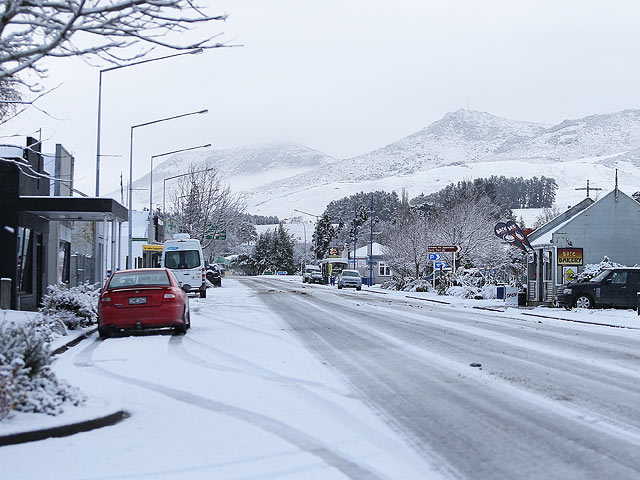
(570, 256)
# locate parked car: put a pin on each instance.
(214, 275)
(143, 298)
(613, 287)
(312, 274)
(349, 279)
(183, 255)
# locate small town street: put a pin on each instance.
(277, 379)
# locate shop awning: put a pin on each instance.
(94, 209)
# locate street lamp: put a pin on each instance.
(164, 185)
(149, 236)
(315, 239)
(117, 67)
(130, 242)
(196, 51)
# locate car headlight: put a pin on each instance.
(567, 291)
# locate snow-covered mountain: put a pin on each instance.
(465, 144)
(244, 168)
(469, 144)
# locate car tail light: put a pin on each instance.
(169, 295)
(203, 275)
(105, 299)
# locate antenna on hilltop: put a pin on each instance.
(616, 189)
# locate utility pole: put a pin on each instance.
(371, 245)
(588, 189)
(355, 228)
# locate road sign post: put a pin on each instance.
(435, 250)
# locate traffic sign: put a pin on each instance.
(435, 256)
(439, 265)
(443, 248)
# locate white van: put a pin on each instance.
(183, 256)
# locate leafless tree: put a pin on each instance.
(33, 30)
(406, 245)
(468, 224)
(203, 205)
(546, 216)
(9, 95)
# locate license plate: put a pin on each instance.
(137, 300)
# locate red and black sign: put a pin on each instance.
(511, 233)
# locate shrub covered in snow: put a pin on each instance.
(407, 284)
(27, 382)
(593, 269)
(76, 307)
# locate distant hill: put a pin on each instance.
(465, 144)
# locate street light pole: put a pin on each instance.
(149, 235)
(164, 185)
(315, 240)
(130, 240)
(96, 250)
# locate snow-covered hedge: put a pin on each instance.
(592, 269)
(27, 383)
(407, 284)
(75, 307)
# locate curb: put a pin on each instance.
(74, 342)
(63, 430)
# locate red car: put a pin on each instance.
(142, 298)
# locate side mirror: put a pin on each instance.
(608, 281)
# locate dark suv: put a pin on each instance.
(613, 287)
(214, 275)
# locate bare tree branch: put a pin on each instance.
(31, 30)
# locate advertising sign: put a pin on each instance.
(569, 256)
(151, 248)
(569, 274)
(511, 233)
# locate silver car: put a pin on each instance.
(350, 279)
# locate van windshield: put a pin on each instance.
(182, 259)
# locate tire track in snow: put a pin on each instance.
(283, 431)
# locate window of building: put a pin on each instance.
(383, 269)
(25, 260)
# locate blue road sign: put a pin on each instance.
(435, 256)
(439, 265)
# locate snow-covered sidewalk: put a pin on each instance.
(623, 318)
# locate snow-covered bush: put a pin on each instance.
(76, 307)
(27, 382)
(466, 291)
(591, 270)
(407, 284)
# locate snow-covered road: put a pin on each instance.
(277, 379)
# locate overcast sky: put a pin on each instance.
(346, 77)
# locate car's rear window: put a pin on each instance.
(182, 259)
(139, 279)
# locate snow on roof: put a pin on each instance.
(364, 251)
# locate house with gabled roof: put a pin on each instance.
(582, 235)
